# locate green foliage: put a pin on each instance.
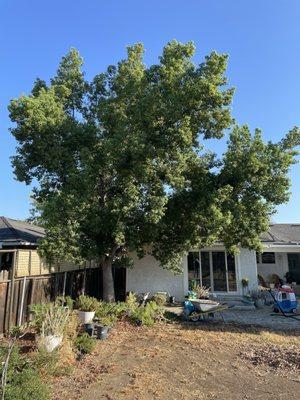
(16, 362)
(25, 385)
(121, 161)
(148, 314)
(65, 301)
(108, 313)
(50, 318)
(23, 381)
(86, 303)
(131, 302)
(85, 344)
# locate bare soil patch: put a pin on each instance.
(186, 362)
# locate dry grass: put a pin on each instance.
(185, 362)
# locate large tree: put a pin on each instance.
(120, 163)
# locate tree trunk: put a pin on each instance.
(108, 281)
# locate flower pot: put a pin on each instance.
(50, 342)
(102, 332)
(86, 316)
(89, 328)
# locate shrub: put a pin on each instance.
(131, 302)
(25, 385)
(65, 301)
(85, 344)
(160, 299)
(50, 318)
(108, 313)
(86, 303)
(23, 382)
(148, 314)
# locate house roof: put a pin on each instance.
(282, 234)
(15, 232)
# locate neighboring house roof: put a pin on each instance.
(15, 232)
(282, 234)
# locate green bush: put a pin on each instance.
(16, 362)
(65, 301)
(148, 314)
(131, 302)
(86, 303)
(108, 313)
(23, 380)
(85, 344)
(26, 385)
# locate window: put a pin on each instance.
(268, 258)
(231, 273)
(205, 268)
(6, 261)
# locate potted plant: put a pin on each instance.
(104, 326)
(86, 307)
(202, 292)
(50, 321)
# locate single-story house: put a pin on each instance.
(211, 267)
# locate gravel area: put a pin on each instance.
(261, 317)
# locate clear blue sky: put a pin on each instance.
(262, 38)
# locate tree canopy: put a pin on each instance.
(121, 163)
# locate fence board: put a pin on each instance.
(40, 289)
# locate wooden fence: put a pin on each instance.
(18, 293)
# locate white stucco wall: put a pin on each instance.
(280, 267)
(247, 268)
(148, 276)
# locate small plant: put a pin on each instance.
(65, 301)
(202, 292)
(50, 318)
(108, 320)
(86, 303)
(160, 299)
(192, 285)
(245, 282)
(85, 344)
(131, 302)
(148, 314)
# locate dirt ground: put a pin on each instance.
(185, 361)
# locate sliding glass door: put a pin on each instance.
(214, 269)
(219, 271)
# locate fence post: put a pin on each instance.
(12, 288)
(64, 284)
(22, 302)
